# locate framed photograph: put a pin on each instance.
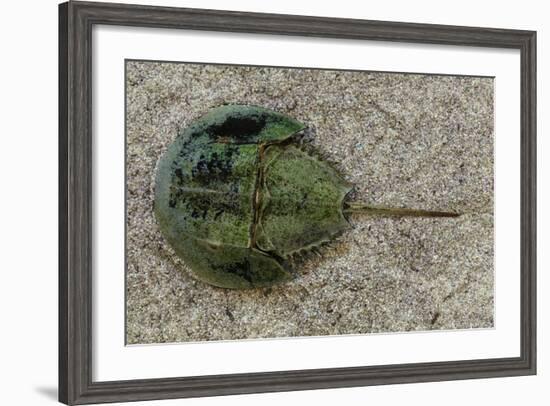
(259, 202)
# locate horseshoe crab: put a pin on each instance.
(237, 197)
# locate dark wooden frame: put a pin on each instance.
(75, 203)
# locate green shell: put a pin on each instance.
(236, 198)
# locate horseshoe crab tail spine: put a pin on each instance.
(385, 211)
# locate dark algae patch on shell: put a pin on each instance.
(237, 197)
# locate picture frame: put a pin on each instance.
(76, 384)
